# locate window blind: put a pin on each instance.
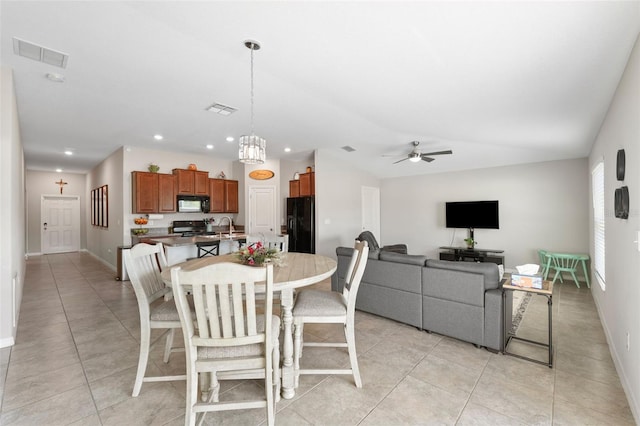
(597, 183)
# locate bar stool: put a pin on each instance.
(208, 248)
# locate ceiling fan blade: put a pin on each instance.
(439, 152)
(427, 159)
(396, 162)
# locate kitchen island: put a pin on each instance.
(179, 249)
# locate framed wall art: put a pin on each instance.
(100, 206)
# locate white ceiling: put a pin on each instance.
(497, 82)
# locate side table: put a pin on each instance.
(546, 291)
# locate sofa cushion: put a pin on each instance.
(348, 251)
(409, 259)
(393, 275)
(397, 248)
(370, 239)
(490, 271)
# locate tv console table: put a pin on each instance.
(463, 254)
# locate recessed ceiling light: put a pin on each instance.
(67, 152)
(158, 137)
(55, 77)
(209, 146)
(230, 139)
(287, 150)
(59, 170)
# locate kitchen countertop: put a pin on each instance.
(187, 241)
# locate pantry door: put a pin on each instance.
(262, 210)
(60, 223)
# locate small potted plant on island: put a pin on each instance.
(470, 243)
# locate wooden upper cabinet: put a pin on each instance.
(192, 182)
(144, 192)
(200, 183)
(167, 191)
(224, 196)
(294, 188)
(216, 195)
(307, 184)
(231, 196)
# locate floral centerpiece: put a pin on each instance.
(257, 255)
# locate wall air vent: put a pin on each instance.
(39, 53)
(348, 148)
(221, 109)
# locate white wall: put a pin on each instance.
(542, 206)
(44, 183)
(12, 211)
(618, 305)
(338, 202)
(103, 242)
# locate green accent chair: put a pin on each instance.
(568, 262)
(545, 263)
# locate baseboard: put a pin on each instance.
(7, 342)
(33, 254)
(634, 404)
(104, 262)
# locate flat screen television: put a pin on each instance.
(472, 214)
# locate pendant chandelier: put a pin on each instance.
(252, 148)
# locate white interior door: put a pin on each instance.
(60, 223)
(371, 210)
(262, 210)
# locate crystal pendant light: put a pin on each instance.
(252, 147)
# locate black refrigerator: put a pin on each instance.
(301, 224)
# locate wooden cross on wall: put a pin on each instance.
(62, 184)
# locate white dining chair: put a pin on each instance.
(281, 242)
(233, 333)
(330, 307)
(144, 263)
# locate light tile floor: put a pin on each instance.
(75, 359)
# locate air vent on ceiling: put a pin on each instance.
(348, 148)
(221, 109)
(39, 53)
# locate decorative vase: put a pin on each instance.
(192, 167)
(209, 227)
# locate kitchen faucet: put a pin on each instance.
(230, 223)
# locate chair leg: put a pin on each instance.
(268, 390)
(192, 398)
(277, 376)
(145, 339)
(573, 274)
(353, 357)
(297, 351)
(168, 345)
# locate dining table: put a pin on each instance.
(295, 270)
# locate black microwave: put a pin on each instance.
(193, 203)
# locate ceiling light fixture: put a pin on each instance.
(209, 146)
(287, 149)
(68, 152)
(414, 157)
(252, 148)
(158, 137)
(230, 139)
(59, 170)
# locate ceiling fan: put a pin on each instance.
(415, 155)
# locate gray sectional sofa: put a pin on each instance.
(457, 299)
